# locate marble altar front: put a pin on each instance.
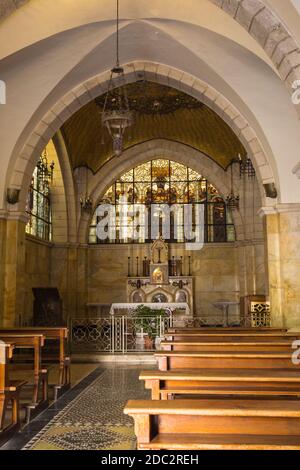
(170, 308)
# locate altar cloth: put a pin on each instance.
(171, 307)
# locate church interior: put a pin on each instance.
(149, 225)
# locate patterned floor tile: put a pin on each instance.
(94, 420)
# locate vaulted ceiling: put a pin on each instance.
(160, 112)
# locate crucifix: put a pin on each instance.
(159, 249)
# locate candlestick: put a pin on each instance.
(129, 263)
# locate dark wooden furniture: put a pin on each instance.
(219, 382)
(215, 424)
(47, 307)
(9, 393)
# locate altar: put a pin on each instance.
(169, 308)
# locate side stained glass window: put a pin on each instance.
(38, 207)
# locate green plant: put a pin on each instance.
(147, 319)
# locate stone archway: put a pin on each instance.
(259, 20)
(146, 151)
(75, 99)
(271, 33)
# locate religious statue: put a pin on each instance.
(158, 276)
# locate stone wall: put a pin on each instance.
(283, 232)
(219, 273)
(37, 273)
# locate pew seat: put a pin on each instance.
(215, 424)
(171, 360)
(243, 383)
(236, 329)
(222, 442)
(209, 345)
(218, 336)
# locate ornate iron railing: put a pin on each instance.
(130, 334)
(118, 335)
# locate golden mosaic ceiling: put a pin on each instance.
(155, 117)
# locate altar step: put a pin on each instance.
(131, 359)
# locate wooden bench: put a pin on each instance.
(9, 394)
(244, 345)
(226, 330)
(40, 385)
(215, 382)
(170, 360)
(218, 336)
(215, 424)
(51, 333)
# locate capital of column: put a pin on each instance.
(279, 209)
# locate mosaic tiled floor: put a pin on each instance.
(94, 420)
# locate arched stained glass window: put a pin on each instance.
(38, 206)
(162, 182)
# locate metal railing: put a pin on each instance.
(118, 335)
(130, 334)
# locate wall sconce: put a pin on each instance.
(86, 204)
(271, 190)
(12, 196)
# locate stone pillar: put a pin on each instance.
(283, 254)
(13, 271)
(2, 265)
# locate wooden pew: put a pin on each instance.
(244, 345)
(226, 330)
(35, 342)
(220, 382)
(173, 360)
(51, 333)
(238, 336)
(9, 393)
(215, 424)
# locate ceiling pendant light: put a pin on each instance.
(247, 168)
(116, 114)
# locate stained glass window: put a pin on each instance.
(162, 183)
(38, 206)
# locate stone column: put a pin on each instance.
(2, 265)
(283, 254)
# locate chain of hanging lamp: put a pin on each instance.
(116, 114)
(247, 170)
(232, 201)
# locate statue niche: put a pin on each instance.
(159, 265)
